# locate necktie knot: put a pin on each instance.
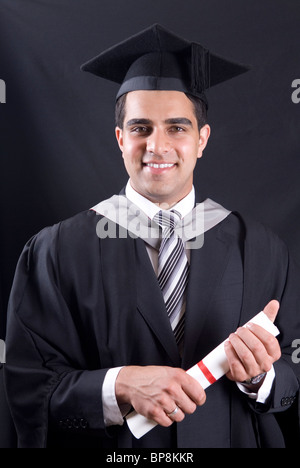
(167, 218)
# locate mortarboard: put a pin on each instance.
(157, 59)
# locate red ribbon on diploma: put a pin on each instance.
(208, 375)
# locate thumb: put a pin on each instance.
(271, 310)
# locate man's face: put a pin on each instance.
(160, 143)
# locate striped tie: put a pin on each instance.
(173, 271)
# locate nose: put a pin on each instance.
(158, 143)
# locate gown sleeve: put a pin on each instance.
(47, 378)
(272, 274)
(286, 389)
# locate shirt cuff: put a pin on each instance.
(112, 413)
(264, 391)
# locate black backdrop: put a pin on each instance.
(58, 155)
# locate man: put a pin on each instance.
(100, 325)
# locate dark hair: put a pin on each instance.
(120, 111)
(200, 110)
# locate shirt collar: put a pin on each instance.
(184, 206)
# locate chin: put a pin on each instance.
(162, 199)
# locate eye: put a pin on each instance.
(176, 129)
(140, 130)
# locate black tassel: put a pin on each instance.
(200, 68)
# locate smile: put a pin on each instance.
(159, 166)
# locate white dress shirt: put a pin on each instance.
(113, 414)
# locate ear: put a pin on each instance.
(119, 137)
(203, 139)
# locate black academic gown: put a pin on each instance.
(81, 305)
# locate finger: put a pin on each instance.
(186, 392)
(267, 340)
(176, 415)
(236, 369)
(172, 412)
(194, 391)
(271, 310)
(245, 355)
(159, 416)
(182, 391)
(186, 405)
(161, 411)
(256, 345)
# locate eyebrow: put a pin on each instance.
(179, 121)
(173, 121)
(132, 122)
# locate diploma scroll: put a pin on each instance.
(206, 372)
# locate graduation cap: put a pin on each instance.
(157, 59)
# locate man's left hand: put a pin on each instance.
(251, 350)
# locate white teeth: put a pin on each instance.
(159, 166)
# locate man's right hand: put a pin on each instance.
(155, 391)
